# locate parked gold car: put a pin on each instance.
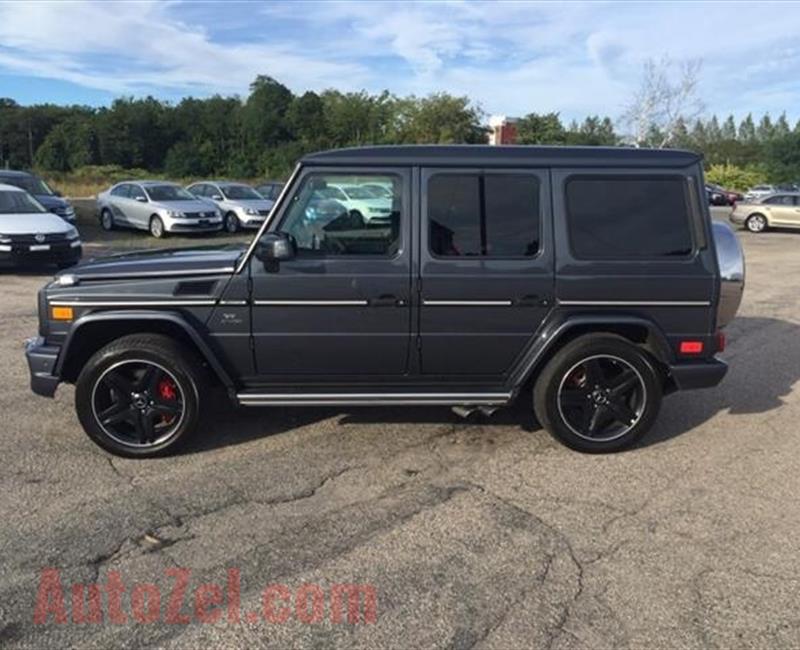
(781, 210)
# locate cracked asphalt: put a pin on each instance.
(483, 534)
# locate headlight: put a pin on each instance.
(250, 211)
(72, 233)
(69, 211)
(176, 214)
(5, 239)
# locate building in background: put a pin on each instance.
(502, 129)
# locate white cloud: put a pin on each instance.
(577, 58)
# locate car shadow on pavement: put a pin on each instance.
(764, 365)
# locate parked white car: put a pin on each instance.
(240, 204)
(158, 207)
(31, 233)
(358, 199)
(759, 192)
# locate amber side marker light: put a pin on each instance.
(691, 347)
(61, 313)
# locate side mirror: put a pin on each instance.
(141, 199)
(216, 197)
(273, 248)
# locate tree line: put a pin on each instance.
(263, 134)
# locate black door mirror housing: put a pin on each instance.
(273, 248)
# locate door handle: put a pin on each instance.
(532, 300)
(386, 300)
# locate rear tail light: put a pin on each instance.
(721, 341)
(691, 347)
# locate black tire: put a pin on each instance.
(157, 229)
(231, 223)
(149, 421)
(107, 220)
(600, 393)
(756, 223)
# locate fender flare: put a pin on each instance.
(174, 318)
(550, 334)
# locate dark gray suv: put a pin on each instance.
(589, 278)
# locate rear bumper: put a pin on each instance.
(698, 374)
(41, 363)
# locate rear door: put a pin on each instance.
(781, 209)
(485, 268)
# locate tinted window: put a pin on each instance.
(323, 221)
(198, 190)
(780, 200)
(492, 215)
(30, 184)
(634, 217)
(240, 192)
(168, 193)
(121, 190)
(19, 203)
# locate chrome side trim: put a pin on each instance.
(467, 303)
(366, 399)
(311, 303)
(143, 274)
(267, 220)
(635, 303)
(234, 303)
(133, 303)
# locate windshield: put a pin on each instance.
(378, 191)
(168, 193)
(241, 192)
(19, 203)
(28, 183)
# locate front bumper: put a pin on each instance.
(13, 254)
(698, 374)
(193, 225)
(41, 364)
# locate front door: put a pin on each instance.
(486, 268)
(341, 308)
(782, 209)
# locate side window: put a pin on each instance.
(780, 200)
(121, 191)
(136, 192)
(615, 217)
(199, 189)
(325, 221)
(484, 215)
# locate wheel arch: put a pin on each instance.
(638, 330)
(93, 331)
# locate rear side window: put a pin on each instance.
(483, 215)
(121, 190)
(780, 200)
(628, 217)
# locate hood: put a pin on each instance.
(49, 201)
(199, 260)
(256, 204)
(194, 205)
(30, 224)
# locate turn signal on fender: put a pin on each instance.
(61, 313)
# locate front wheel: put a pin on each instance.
(139, 396)
(107, 220)
(157, 227)
(756, 223)
(231, 222)
(600, 393)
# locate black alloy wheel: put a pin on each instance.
(138, 403)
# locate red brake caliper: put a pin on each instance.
(167, 391)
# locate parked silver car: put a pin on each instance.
(240, 204)
(158, 207)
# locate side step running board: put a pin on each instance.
(372, 399)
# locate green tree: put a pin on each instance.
(541, 129)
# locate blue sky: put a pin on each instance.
(511, 58)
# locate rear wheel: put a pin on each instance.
(600, 393)
(157, 227)
(139, 396)
(756, 223)
(106, 220)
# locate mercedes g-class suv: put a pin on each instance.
(590, 279)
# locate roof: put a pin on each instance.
(15, 173)
(503, 156)
(10, 188)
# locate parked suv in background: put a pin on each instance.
(41, 191)
(240, 205)
(29, 233)
(782, 210)
(158, 207)
(588, 279)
